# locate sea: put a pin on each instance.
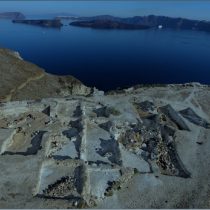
(110, 59)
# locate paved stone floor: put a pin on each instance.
(82, 150)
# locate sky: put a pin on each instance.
(180, 8)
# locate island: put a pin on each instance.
(12, 15)
(142, 22)
(55, 23)
(66, 17)
(109, 24)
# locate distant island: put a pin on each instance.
(43, 23)
(109, 24)
(66, 17)
(141, 22)
(12, 15)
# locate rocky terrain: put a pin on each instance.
(55, 23)
(142, 147)
(12, 15)
(150, 21)
(21, 80)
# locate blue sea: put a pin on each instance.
(108, 59)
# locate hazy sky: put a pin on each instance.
(181, 8)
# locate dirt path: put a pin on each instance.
(13, 91)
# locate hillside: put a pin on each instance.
(21, 80)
